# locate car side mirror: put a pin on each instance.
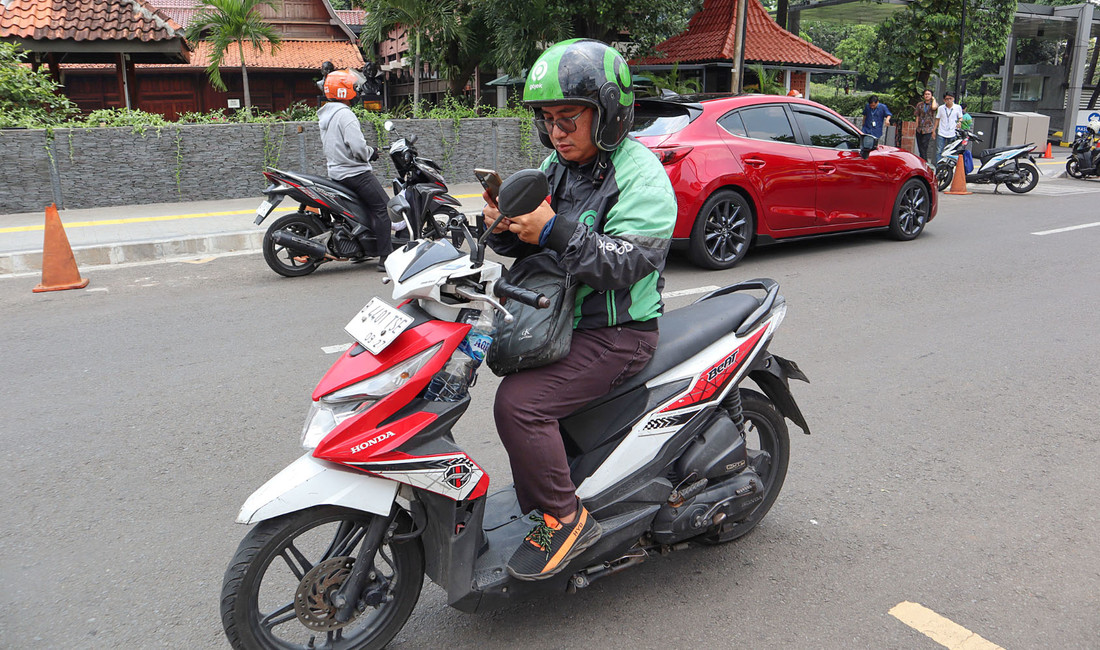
(522, 192)
(867, 144)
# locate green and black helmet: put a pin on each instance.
(585, 71)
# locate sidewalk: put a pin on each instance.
(161, 231)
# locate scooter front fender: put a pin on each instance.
(309, 482)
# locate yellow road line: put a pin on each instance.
(119, 222)
(941, 630)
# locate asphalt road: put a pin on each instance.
(953, 460)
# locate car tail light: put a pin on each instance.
(669, 155)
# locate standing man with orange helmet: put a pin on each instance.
(349, 159)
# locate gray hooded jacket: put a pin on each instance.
(346, 149)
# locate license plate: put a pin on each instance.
(377, 325)
(266, 207)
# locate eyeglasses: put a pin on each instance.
(564, 124)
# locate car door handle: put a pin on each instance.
(826, 169)
(754, 162)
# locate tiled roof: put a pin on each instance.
(81, 20)
(351, 17)
(293, 55)
(710, 37)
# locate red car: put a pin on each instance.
(754, 169)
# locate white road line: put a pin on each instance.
(1058, 230)
(689, 292)
(333, 349)
(941, 630)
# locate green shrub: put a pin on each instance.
(28, 99)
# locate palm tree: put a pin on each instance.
(420, 18)
(224, 22)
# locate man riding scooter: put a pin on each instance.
(349, 160)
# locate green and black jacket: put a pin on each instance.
(612, 230)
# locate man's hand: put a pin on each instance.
(529, 226)
(490, 214)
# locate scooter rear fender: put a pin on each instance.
(773, 374)
(309, 482)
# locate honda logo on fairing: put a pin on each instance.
(373, 441)
(722, 367)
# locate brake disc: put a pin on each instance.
(313, 599)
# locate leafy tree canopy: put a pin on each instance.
(28, 98)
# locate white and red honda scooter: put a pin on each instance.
(681, 452)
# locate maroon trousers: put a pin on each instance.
(529, 404)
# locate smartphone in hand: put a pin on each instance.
(490, 180)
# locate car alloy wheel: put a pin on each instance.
(723, 231)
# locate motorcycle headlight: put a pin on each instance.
(337, 406)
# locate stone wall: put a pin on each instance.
(88, 168)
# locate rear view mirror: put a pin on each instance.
(522, 192)
(867, 144)
(388, 125)
(981, 132)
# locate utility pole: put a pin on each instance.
(737, 81)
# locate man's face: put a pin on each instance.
(577, 146)
(928, 95)
(949, 100)
(874, 105)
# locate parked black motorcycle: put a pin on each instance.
(1085, 159)
(297, 243)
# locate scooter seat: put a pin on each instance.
(989, 153)
(328, 182)
(686, 332)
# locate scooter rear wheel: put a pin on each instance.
(769, 447)
(277, 589)
(284, 261)
(1030, 174)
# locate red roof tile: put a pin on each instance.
(710, 36)
(292, 55)
(351, 16)
(80, 20)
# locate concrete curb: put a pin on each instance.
(19, 262)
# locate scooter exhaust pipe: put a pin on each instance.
(299, 244)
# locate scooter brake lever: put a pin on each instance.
(473, 295)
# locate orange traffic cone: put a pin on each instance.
(958, 183)
(1049, 153)
(59, 270)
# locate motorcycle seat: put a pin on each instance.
(328, 182)
(687, 331)
(989, 153)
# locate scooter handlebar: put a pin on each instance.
(504, 289)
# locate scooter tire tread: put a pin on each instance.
(234, 621)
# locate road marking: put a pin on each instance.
(333, 349)
(203, 260)
(941, 630)
(1058, 230)
(689, 292)
(117, 222)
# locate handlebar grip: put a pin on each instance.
(504, 289)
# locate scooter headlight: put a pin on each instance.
(332, 409)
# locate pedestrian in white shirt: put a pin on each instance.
(947, 118)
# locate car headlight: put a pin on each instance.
(332, 409)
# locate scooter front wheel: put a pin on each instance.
(944, 174)
(1073, 168)
(277, 590)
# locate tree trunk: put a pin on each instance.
(416, 77)
(244, 77)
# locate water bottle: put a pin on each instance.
(453, 382)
